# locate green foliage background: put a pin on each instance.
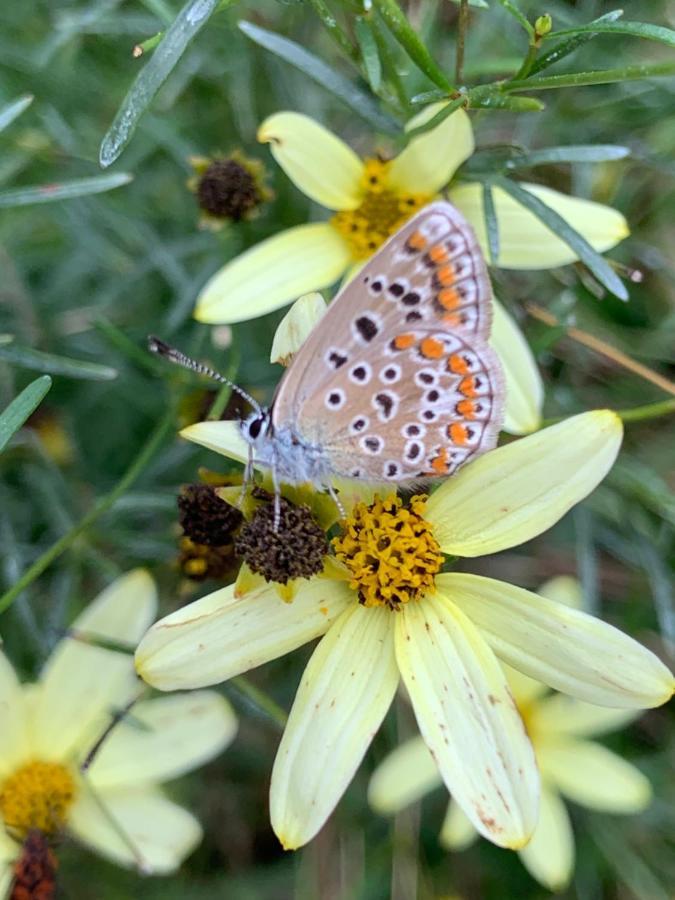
(88, 278)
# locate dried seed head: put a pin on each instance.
(205, 518)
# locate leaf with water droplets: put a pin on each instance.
(65, 190)
(22, 407)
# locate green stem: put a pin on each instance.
(638, 414)
(602, 76)
(528, 62)
(338, 34)
(389, 66)
(408, 38)
(462, 25)
(101, 506)
(260, 700)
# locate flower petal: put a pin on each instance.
(524, 387)
(223, 635)
(296, 326)
(13, 731)
(274, 272)
(563, 715)
(549, 857)
(565, 648)
(82, 683)
(563, 589)
(430, 160)
(134, 827)
(406, 775)
(457, 832)
(222, 437)
(163, 739)
(468, 719)
(524, 241)
(345, 692)
(516, 492)
(316, 160)
(525, 690)
(593, 776)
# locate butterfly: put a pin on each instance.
(396, 382)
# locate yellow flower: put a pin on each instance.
(47, 729)
(371, 198)
(440, 633)
(571, 765)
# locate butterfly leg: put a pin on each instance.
(248, 475)
(336, 500)
(277, 499)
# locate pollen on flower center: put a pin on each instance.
(390, 550)
(381, 213)
(37, 795)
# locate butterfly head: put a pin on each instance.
(256, 427)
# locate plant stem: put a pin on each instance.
(338, 34)
(101, 506)
(462, 25)
(260, 700)
(648, 411)
(601, 76)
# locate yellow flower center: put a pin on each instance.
(37, 795)
(381, 213)
(390, 551)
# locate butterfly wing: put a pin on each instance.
(431, 273)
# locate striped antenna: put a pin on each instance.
(156, 345)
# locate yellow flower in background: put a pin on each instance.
(48, 728)
(571, 766)
(370, 200)
(389, 614)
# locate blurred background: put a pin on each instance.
(87, 279)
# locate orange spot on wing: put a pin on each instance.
(467, 386)
(445, 276)
(458, 434)
(466, 408)
(438, 255)
(448, 298)
(431, 348)
(417, 241)
(404, 341)
(440, 463)
(457, 364)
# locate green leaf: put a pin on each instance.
(478, 4)
(584, 153)
(432, 96)
(14, 109)
(564, 48)
(315, 68)
(636, 29)
(408, 38)
(192, 17)
(553, 220)
(496, 100)
(491, 226)
(21, 408)
(517, 15)
(435, 120)
(37, 361)
(66, 190)
(369, 52)
(600, 76)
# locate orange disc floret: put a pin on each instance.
(432, 348)
(467, 409)
(467, 386)
(448, 298)
(457, 364)
(404, 341)
(458, 434)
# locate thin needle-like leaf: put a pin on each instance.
(14, 109)
(369, 52)
(65, 190)
(584, 153)
(37, 361)
(18, 411)
(491, 226)
(564, 48)
(408, 38)
(636, 29)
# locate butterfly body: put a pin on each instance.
(397, 381)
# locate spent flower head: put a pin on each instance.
(228, 188)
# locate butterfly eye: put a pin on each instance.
(255, 427)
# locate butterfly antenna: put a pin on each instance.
(156, 345)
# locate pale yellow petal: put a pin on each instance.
(593, 776)
(549, 857)
(13, 724)
(430, 160)
(137, 828)
(563, 589)
(222, 635)
(9, 850)
(457, 832)
(164, 738)
(6, 878)
(524, 387)
(81, 684)
(274, 272)
(403, 777)
(222, 437)
(565, 648)
(524, 241)
(516, 492)
(525, 690)
(563, 715)
(316, 160)
(468, 719)
(296, 326)
(345, 692)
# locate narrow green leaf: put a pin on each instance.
(369, 52)
(192, 17)
(584, 153)
(37, 361)
(435, 120)
(432, 96)
(517, 14)
(408, 38)
(65, 190)
(600, 76)
(564, 48)
(14, 109)
(21, 408)
(636, 29)
(496, 100)
(491, 226)
(591, 259)
(351, 95)
(478, 4)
